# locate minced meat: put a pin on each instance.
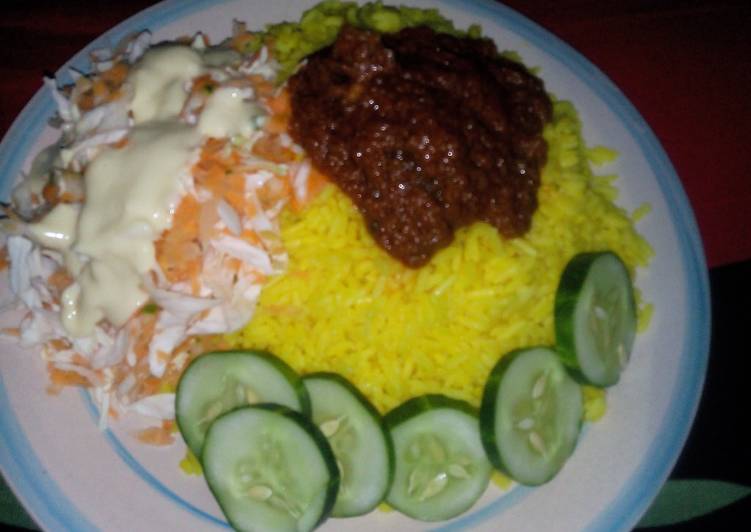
(426, 132)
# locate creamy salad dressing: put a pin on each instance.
(105, 288)
(58, 228)
(131, 193)
(159, 81)
(227, 114)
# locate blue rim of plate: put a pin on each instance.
(53, 510)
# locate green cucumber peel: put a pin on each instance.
(527, 433)
(423, 403)
(196, 405)
(441, 466)
(302, 421)
(361, 442)
(590, 283)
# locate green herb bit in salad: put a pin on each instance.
(150, 308)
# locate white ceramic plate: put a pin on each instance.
(71, 476)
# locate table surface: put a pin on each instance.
(685, 65)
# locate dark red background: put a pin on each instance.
(684, 64)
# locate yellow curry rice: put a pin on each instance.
(346, 306)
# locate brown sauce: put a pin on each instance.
(426, 133)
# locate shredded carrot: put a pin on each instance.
(219, 171)
(120, 143)
(228, 186)
(59, 280)
(86, 100)
(173, 371)
(148, 386)
(244, 42)
(158, 436)
(281, 111)
(59, 344)
(79, 360)
(281, 104)
(51, 193)
(163, 357)
(60, 378)
(116, 75)
(263, 87)
(317, 181)
(80, 86)
(142, 329)
(270, 147)
(70, 197)
(102, 88)
(195, 285)
(250, 236)
(233, 264)
(179, 251)
(54, 389)
(203, 85)
(204, 344)
(277, 124)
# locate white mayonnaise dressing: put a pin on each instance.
(226, 114)
(57, 229)
(131, 193)
(158, 81)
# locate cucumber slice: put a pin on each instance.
(270, 468)
(218, 382)
(441, 467)
(361, 444)
(595, 317)
(531, 415)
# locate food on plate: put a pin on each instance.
(203, 208)
(153, 221)
(319, 26)
(530, 415)
(270, 468)
(425, 132)
(361, 443)
(215, 383)
(441, 467)
(595, 322)
(344, 305)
